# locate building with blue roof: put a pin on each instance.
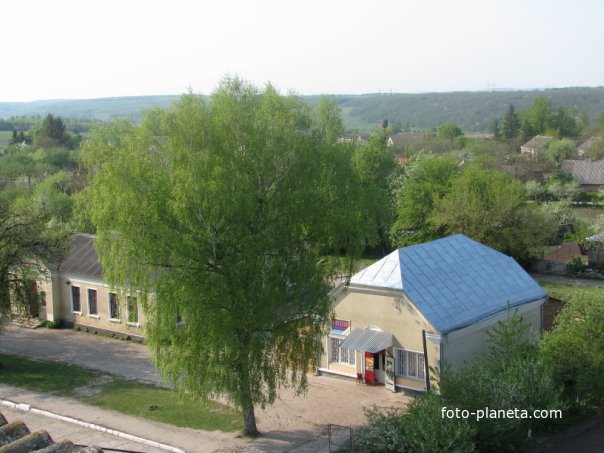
(427, 305)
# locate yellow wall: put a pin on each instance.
(393, 313)
(461, 344)
(59, 305)
(390, 311)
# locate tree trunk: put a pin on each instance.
(247, 406)
(249, 421)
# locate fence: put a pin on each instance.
(550, 267)
(340, 437)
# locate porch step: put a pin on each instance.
(27, 323)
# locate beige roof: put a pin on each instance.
(82, 259)
(538, 142)
(407, 139)
(586, 145)
(585, 172)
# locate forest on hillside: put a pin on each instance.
(471, 111)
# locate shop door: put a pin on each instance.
(369, 368)
(378, 366)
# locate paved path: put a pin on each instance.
(293, 423)
(79, 435)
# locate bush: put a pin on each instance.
(511, 376)
(421, 429)
(576, 265)
(575, 348)
(51, 324)
(427, 431)
(384, 432)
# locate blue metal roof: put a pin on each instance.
(454, 281)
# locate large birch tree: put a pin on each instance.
(219, 211)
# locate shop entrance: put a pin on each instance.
(374, 368)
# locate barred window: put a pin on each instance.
(338, 354)
(410, 364)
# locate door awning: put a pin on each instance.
(367, 340)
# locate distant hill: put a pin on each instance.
(472, 111)
(102, 109)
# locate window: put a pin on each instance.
(410, 364)
(132, 309)
(339, 355)
(76, 306)
(93, 308)
(114, 307)
(43, 298)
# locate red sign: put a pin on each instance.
(339, 326)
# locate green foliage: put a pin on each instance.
(422, 186)
(535, 190)
(385, 431)
(471, 111)
(27, 244)
(489, 206)
(511, 124)
(329, 120)
(52, 132)
(559, 212)
(576, 265)
(511, 375)
(575, 347)
(558, 150)
(375, 167)
(539, 115)
(224, 218)
(420, 429)
(427, 431)
(51, 324)
(557, 190)
(448, 131)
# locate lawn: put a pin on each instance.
(565, 292)
(111, 392)
(45, 377)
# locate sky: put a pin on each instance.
(83, 49)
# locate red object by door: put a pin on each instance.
(369, 376)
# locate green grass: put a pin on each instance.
(155, 403)
(45, 377)
(5, 137)
(111, 392)
(565, 292)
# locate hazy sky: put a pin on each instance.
(92, 48)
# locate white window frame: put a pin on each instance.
(92, 315)
(73, 310)
(344, 359)
(401, 367)
(119, 314)
(137, 323)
